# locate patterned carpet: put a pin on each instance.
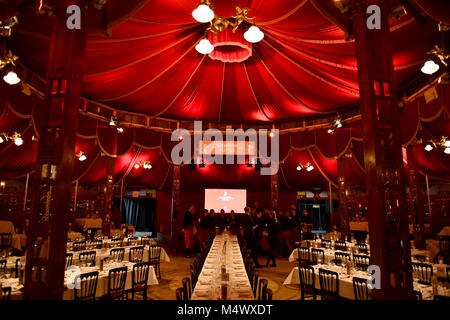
(172, 273)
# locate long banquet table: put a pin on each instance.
(208, 285)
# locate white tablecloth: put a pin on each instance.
(209, 281)
(102, 284)
(18, 240)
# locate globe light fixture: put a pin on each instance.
(253, 34)
(430, 67)
(11, 78)
(204, 46)
(428, 147)
(203, 13)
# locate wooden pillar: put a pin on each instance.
(109, 196)
(415, 190)
(52, 181)
(175, 205)
(274, 191)
(385, 182)
(343, 205)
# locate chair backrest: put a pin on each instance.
(116, 282)
(3, 265)
(329, 284)
(140, 274)
(98, 243)
(154, 253)
(179, 294)
(360, 289)
(317, 256)
(303, 254)
(116, 242)
(423, 272)
(79, 245)
(132, 241)
(420, 257)
(362, 262)
(6, 296)
(137, 254)
(69, 258)
(325, 243)
(307, 277)
(86, 286)
(187, 288)
(117, 253)
(362, 247)
(444, 243)
(5, 241)
(194, 278)
(340, 245)
(262, 288)
(343, 257)
(88, 257)
(418, 295)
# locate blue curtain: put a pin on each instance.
(140, 212)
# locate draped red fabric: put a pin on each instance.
(436, 9)
(303, 66)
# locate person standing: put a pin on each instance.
(204, 226)
(233, 223)
(286, 230)
(270, 226)
(188, 228)
(295, 225)
(212, 222)
(247, 224)
(306, 225)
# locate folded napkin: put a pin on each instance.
(205, 282)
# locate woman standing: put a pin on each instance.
(295, 225)
(188, 228)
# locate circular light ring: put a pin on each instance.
(229, 46)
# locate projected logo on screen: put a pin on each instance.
(226, 199)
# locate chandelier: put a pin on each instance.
(308, 166)
(144, 164)
(7, 63)
(444, 143)
(225, 39)
(16, 137)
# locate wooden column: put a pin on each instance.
(415, 190)
(343, 205)
(385, 182)
(52, 181)
(174, 210)
(109, 196)
(274, 191)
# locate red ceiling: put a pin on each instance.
(303, 67)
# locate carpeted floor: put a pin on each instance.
(172, 273)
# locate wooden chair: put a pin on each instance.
(154, 257)
(269, 294)
(420, 257)
(317, 255)
(362, 262)
(362, 248)
(98, 243)
(6, 293)
(137, 254)
(304, 256)
(116, 283)
(139, 278)
(341, 257)
(329, 284)
(5, 241)
(262, 287)
(88, 257)
(325, 243)
(79, 245)
(187, 288)
(360, 289)
(3, 265)
(423, 272)
(86, 286)
(116, 242)
(117, 254)
(418, 295)
(69, 258)
(179, 294)
(340, 245)
(132, 241)
(307, 281)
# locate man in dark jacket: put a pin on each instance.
(188, 228)
(247, 224)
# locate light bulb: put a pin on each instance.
(310, 168)
(338, 123)
(330, 131)
(430, 67)
(299, 168)
(11, 78)
(82, 157)
(203, 13)
(1, 140)
(447, 150)
(18, 141)
(204, 46)
(428, 147)
(271, 134)
(447, 143)
(253, 34)
(136, 166)
(120, 130)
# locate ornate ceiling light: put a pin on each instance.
(7, 25)
(431, 66)
(444, 143)
(226, 40)
(308, 166)
(16, 137)
(7, 62)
